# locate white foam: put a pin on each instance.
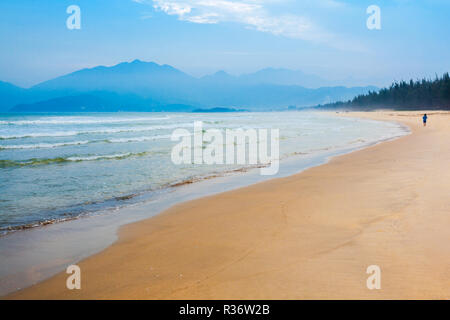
(139, 139)
(90, 158)
(91, 120)
(96, 131)
(43, 145)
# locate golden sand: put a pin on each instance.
(307, 236)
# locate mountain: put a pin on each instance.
(145, 79)
(147, 86)
(10, 95)
(269, 76)
(132, 77)
(220, 78)
(100, 101)
(284, 77)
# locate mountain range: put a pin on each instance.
(147, 86)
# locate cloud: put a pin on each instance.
(252, 14)
(256, 15)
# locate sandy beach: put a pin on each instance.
(308, 236)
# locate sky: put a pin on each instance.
(328, 38)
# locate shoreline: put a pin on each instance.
(113, 203)
(158, 223)
(39, 253)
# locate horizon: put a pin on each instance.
(325, 38)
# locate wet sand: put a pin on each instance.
(307, 236)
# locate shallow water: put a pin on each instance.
(56, 167)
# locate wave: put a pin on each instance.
(43, 145)
(103, 157)
(74, 133)
(43, 134)
(139, 139)
(81, 121)
(7, 229)
(75, 143)
(35, 161)
(359, 140)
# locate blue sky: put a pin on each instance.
(328, 38)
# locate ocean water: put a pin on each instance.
(56, 167)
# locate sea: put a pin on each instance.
(57, 167)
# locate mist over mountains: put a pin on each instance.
(147, 86)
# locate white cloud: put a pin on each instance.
(257, 15)
(251, 13)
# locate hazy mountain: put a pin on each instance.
(100, 101)
(284, 77)
(269, 76)
(220, 77)
(135, 77)
(147, 86)
(146, 79)
(11, 95)
(269, 96)
(84, 102)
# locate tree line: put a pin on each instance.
(419, 94)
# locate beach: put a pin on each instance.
(307, 236)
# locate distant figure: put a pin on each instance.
(425, 120)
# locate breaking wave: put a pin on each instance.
(81, 121)
(35, 161)
(98, 131)
(43, 145)
(76, 143)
